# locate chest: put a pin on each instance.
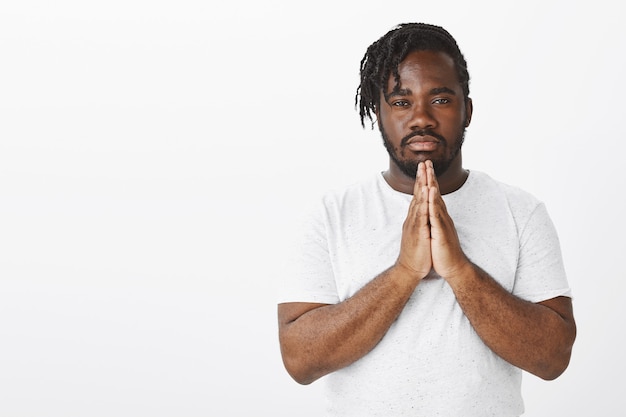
(366, 243)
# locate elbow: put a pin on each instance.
(557, 365)
(559, 361)
(302, 379)
(558, 341)
(298, 363)
(553, 371)
(299, 371)
(549, 366)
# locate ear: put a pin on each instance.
(469, 109)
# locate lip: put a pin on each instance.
(422, 144)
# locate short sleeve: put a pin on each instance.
(307, 274)
(540, 271)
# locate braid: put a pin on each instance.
(382, 58)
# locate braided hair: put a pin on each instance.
(382, 58)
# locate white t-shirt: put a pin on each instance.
(431, 362)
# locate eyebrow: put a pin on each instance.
(441, 90)
(403, 92)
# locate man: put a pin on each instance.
(427, 289)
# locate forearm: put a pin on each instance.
(330, 337)
(535, 337)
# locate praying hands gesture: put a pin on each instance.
(429, 239)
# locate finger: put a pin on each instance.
(424, 210)
(434, 209)
(446, 250)
(420, 179)
(440, 220)
(420, 183)
(418, 209)
(415, 247)
(431, 176)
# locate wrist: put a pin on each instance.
(411, 273)
(459, 272)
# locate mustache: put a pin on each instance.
(422, 132)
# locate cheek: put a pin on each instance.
(393, 125)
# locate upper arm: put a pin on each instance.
(290, 312)
(563, 307)
(567, 335)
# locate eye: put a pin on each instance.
(400, 103)
(441, 101)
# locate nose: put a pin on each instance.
(422, 118)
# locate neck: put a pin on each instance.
(449, 181)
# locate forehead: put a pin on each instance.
(426, 67)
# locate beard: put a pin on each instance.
(409, 166)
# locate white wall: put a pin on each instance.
(151, 154)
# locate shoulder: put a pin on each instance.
(353, 194)
(338, 202)
(497, 199)
(518, 199)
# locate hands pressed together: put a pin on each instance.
(429, 238)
